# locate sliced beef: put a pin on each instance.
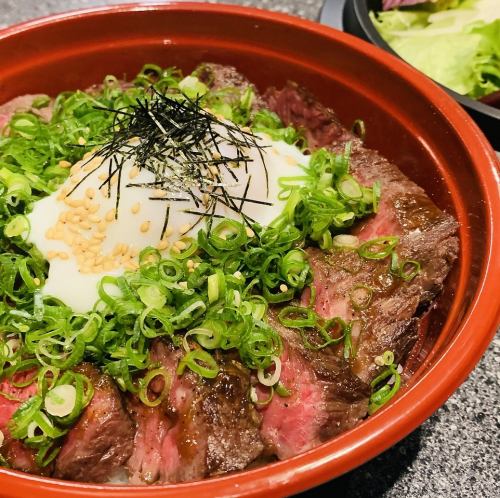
(427, 235)
(17, 455)
(326, 398)
(218, 76)
(100, 443)
(295, 106)
(220, 431)
(206, 427)
(22, 104)
(151, 427)
(155, 456)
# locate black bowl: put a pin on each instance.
(352, 16)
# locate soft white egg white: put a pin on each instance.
(78, 231)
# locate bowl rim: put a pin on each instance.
(405, 413)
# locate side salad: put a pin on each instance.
(455, 42)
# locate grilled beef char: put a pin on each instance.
(326, 398)
(427, 235)
(206, 427)
(101, 442)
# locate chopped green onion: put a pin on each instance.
(200, 362)
(216, 286)
(345, 241)
(388, 357)
(17, 226)
(378, 248)
(282, 391)
(60, 400)
(297, 317)
(255, 398)
(349, 188)
(270, 380)
(144, 385)
(228, 235)
(360, 296)
(409, 269)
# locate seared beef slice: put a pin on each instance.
(326, 397)
(427, 235)
(100, 443)
(206, 427)
(17, 455)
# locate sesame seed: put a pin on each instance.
(184, 285)
(76, 168)
(64, 164)
(159, 192)
(114, 180)
(99, 235)
(102, 226)
(82, 141)
(74, 203)
(246, 129)
(49, 234)
(185, 228)
(94, 208)
(135, 208)
(110, 215)
(191, 270)
(169, 231)
(145, 226)
(379, 361)
(69, 239)
(237, 274)
(63, 255)
(205, 198)
(133, 252)
(291, 160)
(162, 245)
(93, 164)
(180, 245)
(94, 218)
(134, 171)
(216, 155)
(103, 176)
(117, 250)
(108, 265)
(85, 225)
(197, 264)
(214, 170)
(283, 288)
(176, 250)
(90, 193)
(36, 281)
(51, 254)
(250, 232)
(190, 263)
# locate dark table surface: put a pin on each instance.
(456, 453)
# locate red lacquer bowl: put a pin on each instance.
(409, 119)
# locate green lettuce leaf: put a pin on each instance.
(458, 47)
